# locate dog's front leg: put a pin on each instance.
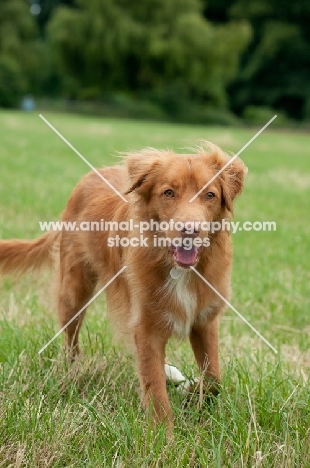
(204, 341)
(150, 349)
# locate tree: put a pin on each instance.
(47, 7)
(152, 47)
(275, 70)
(18, 51)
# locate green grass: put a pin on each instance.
(88, 414)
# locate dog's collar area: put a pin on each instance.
(176, 273)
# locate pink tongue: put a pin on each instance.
(186, 257)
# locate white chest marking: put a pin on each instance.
(182, 322)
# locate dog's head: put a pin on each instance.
(164, 186)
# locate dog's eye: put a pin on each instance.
(169, 193)
(209, 195)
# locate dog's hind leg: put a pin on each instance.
(76, 288)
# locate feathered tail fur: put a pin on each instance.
(18, 256)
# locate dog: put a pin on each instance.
(159, 294)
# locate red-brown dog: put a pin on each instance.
(145, 302)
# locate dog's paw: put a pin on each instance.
(206, 386)
(173, 374)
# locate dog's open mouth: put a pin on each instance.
(185, 257)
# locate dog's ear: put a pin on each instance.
(140, 167)
(232, 179)
(232, 173)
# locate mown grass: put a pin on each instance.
(88, 414)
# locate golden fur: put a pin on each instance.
(144, 303)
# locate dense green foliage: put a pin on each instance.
(186, 59)
(169, 56)
(275, 70)
(19, 54)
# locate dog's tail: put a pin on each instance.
(18, 256)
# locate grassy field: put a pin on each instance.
(88, 414)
